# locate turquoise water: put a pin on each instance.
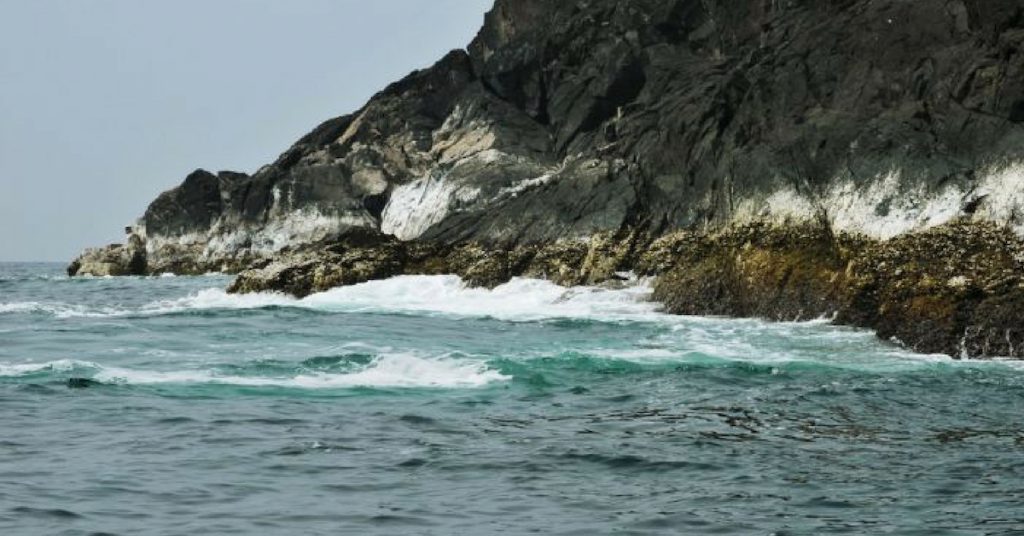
(414, 406)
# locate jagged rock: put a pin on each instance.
(569, 119)
(951, 289)
(775, 159)
(955, 289)
(112, 260)
(778, 273)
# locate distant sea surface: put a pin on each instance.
(164, 406)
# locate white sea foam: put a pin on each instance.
(396, 370)
(215, 298)
(207, 299)
(20, 307)
(59, 310)
(389, 371)
(518, 300)
(61, 365)
(766, 343)
(528, 300)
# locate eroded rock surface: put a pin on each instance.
(955, 289)
(113, 260)
(783, 149)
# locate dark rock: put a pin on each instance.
(567, 119)
(112, 260)
(955, 289)
(190, 208)
(82, 383)
(758, 156)
(778, 273)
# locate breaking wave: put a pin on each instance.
(517, 300)
(385, 371)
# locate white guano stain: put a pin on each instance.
(415, 207)
(884, 208)
(225, 240)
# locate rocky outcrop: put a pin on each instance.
(361, 256)
(955, 289)
(951, 289)
(576, 139)
(112, 260)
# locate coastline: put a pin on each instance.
(853, 160)
(953, 289)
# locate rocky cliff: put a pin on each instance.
(572, 139)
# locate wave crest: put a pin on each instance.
(385, 371)
(518, 300)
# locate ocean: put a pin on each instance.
(164, 406)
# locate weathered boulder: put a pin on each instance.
(773, 272)
(112, 260)
(954, 289)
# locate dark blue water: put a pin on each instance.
(414, 406)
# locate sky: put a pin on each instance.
(106, 103)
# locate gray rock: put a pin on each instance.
(569, 136)
(566, 119)
(112, 260)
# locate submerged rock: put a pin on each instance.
(566, 120)
(82, 383)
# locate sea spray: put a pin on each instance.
(418, 402)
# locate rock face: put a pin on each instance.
(112, 260)
(568, 123)
(955, 289)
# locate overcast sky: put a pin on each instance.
(106, 103)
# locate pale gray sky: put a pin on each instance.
(106, 103)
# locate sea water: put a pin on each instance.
(163, 405)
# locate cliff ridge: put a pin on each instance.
(570, 140)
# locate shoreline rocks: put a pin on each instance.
(951, 289)
(785, 160)
(956, 289)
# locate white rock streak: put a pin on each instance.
(224, 240)
(415, 207)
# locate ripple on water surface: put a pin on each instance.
(166, 406)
